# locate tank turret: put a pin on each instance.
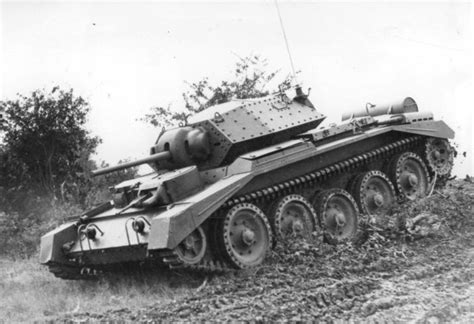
(219, 134)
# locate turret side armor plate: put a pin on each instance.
(237, 127)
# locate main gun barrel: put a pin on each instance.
(152, 158)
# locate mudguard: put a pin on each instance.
(181, 219)
(427, 128)
(52, 243)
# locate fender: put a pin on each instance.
(427, 128)
(181, 219)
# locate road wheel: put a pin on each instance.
(244, 235)
(373, 192)
(293, 215)
(338, 214)
(409, 174)
(192, 249)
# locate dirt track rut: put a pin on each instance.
(420, 271)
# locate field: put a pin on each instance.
(414, 266)
(29, 292)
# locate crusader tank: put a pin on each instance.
(247, 174)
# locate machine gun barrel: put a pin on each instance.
(152, 158)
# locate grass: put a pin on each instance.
(28, 292)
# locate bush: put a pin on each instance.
(45, 167)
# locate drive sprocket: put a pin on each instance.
(440, 155)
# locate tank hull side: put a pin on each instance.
(325, 152)
(319, 161)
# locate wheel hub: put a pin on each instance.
(436, 155)
(412, 180)
(189, 243)
(248, 236)
(338, 217)
(298, 226)
(378, 200)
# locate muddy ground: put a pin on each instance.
(414, 266)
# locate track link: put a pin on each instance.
(172, 260)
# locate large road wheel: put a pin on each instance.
(244, 235)
(293, 215)
(409, 174)
(440, 155)
(192, 249)
(338, 214)
(373, 192)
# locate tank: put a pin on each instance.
(245, 175)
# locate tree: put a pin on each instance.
(45, 166)
(250, 80)
(44, 140)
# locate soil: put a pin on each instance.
(415, 265)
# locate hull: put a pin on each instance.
(307, 164)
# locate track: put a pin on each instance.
(214, 260)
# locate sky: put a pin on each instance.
(125, 57)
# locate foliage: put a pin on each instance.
(97, 189)
(45, 167)
(44, 141)
(250, 79)
(20, 231)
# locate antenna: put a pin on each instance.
(286, 42)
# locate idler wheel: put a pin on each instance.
(373, 192)
(245, 235)
(192, 249)
(293, 215)
(409, 174)
(338, 214)
(440, 155)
